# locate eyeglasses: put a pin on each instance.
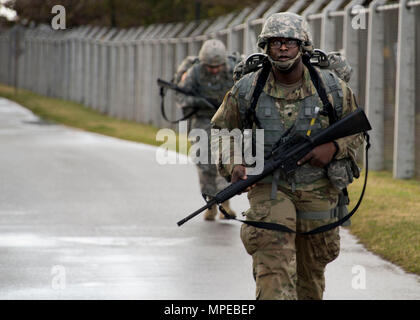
(290, 43)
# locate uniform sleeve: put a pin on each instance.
(226, 120)
(348, 145)
(227, 116)
(189, 83)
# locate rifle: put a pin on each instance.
(169, 85)
(285, 156)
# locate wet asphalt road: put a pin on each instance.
(84, 216)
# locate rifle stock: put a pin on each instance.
(353, 123)
(286, 155)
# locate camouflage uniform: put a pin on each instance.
(285, 265)
(213, 87)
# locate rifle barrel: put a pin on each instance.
(192, 215)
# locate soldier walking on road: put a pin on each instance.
(288, 265)
(211, 77)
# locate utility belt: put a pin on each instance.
(340, 211)
(339, 173)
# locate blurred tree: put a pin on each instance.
(5, 23)
(124, 13)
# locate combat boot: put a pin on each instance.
(228, 209)
(210, 213)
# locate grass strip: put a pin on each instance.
(388, 220)
(76, 115)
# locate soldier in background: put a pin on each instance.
(210, 77)
(288, 265)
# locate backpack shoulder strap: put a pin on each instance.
(333, 87)
(253, 95)
(328, 108)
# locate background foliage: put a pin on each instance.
(125, 13)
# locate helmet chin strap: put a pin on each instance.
(285, 65)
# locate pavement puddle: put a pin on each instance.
(26, 241)
(127, 241)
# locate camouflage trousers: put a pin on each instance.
(287, 266)
(211, 182)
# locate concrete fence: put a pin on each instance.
(114, 71)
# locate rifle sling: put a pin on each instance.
(162, 108)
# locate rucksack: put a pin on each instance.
(333, 61)
(189, 61)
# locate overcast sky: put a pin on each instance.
(9, 14)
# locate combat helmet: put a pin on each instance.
(286, 25)
(213, 53)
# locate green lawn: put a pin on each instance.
(387, 223)
(76, 115)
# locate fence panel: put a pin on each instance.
(114, 71)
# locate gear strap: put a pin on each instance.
(251, 116)
(328, 109)
(162, 109)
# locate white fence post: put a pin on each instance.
(328, 27)
(147, 84)
(122, 76)
(405, 109)
(105, 72)
(73, 65)
(139, 88)
(96, 72)
(128, 75)
(114, 79)
(311, 9)
(88, 66)
(351, 45)
(375, 85)
(249, 36)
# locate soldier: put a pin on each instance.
(288, 265)
(211, 78)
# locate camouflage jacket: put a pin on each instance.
(201, 82)
(229, 116)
